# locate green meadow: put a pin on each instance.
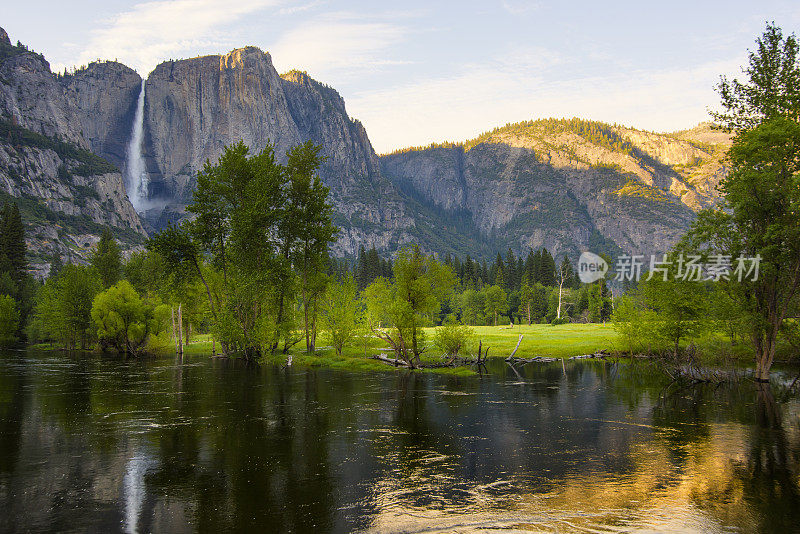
(560, 341)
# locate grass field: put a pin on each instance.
(538, 340)
(560, 341)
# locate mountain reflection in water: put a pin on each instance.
(104, 445)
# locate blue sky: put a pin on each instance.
(417, 72)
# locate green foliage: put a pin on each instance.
(107, 259)
(472, 304)
(122, 318)
(370, 266)
(762, 189)
(634, 323)
(452, 337)
(420, 287)
(9, 320)
(147, 271)
(62, 312)
(773, 86)
(89, 164)
(12, 243)
(261, 232)
(667, 311)
(599, 301)
(309, 229)
(342, 313)
(496, 302)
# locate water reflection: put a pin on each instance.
(90, 444)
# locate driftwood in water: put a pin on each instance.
(535, 359)
(393, 361)
(598, 354)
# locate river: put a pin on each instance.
(99, 444)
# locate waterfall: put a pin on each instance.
(136, 179)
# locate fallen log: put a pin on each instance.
(393, 361)
(515, 348)
(535, 359)
(588, 356)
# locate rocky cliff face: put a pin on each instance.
(104, 97)
(195, 107)
(568, 185)
(66, 193)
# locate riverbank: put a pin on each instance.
(539, 340)
(562, 341)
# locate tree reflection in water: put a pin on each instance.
(214, 445)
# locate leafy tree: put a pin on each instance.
(260, 224)
(496, 302)
(452, 337)
(341, 313)
(773, 86)
(146, 271)
(420, 286)
(681, 307)
(123, 320)
(762, 189)
(77, 287)
(472, 304)
(634, 322)
(62, 311)
(9, 320)
(107, 259)
(308, 214)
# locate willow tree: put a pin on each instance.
(761, 216)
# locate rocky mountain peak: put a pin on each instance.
(4, 37)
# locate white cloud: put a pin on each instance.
(337, 45)
(151, 32)
(520, 7)
(481, 97)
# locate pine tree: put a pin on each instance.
(55, 264)
(107, 259)
(547, 272)
(512, 282)
(361, 268)
(12, 244)
(529, 269)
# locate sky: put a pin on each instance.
(425, 71)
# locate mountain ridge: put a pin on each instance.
(569, 184)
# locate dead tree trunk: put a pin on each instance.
(180, 330)
(515, 348)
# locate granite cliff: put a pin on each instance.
(569, 185)
(195, 107)
(66, 192)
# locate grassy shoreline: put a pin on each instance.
(562, 341)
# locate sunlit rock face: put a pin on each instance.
(603, 188)
(570, 188)
(196, 107)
